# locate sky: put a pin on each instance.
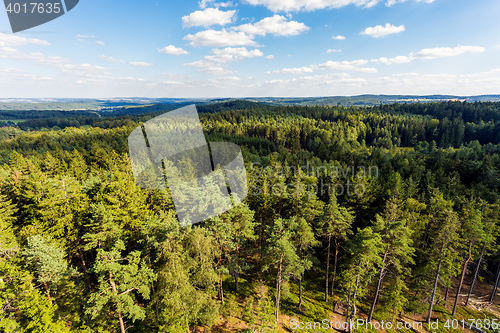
(255, 48)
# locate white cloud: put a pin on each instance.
(301, 70)
(85, 36)
(208, 17)
(396, 60)
(8, 40)
(429, 54)
(339, 37)
(307, 5)
(170, 49)
(345, 66)
(440, 52)
(382, 31)
(269, 57)
(276, 25)
(333, 51)
(176, 76)
(141, 64)
(100, 43)
(199, 63)
(111, 59)
(216, 70)
(232, 54)
(209, 68)
(205, 3)
(393, 2)
(63, 64)
(220, 38)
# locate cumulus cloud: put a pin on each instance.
(140, 64)
(345, 66)
(216, 70)
(395, 60)
(208, 17)
(205, 3)
(111, 59)
(301, 70)
(339, 37)
(8, 40)
(63, 64)
(220, 38)
(440, 52)
(429, 54)
(307, 5)
(170, 49)
(382, 31)
(277, 25)
(233, 53)
(333, 51)
(390, 3)
(209, 68)
(269, 57)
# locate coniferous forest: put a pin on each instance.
(387, 213)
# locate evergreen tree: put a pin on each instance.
(335, 226)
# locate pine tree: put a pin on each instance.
(47, 261)
(364, 258)
(335, 226)
(397, 248)
(118, 278)
(281, 255)
(442, 251)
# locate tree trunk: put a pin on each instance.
(327, 268)
(335, 265)
(221, 291)
(120, 318)
(379, 284)
(85, 273)
(493, 293)
(47, 291)
(475, 275)
(278, 293)
(446, 295)
(300, 292)
(464, 269)
(236, 286)
(431, 305)
(354, 308)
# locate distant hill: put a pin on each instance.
(119, 105)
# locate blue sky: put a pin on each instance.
(255, 48)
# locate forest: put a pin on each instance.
(384, 213)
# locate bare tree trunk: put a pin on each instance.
(475, 275)
(494, 291)
(327, 268)
(221, 291)
(300, 292)
(278, 291)
(120, 318)
(47, 291)
(379, 284)
(436, 280)
(335, 258)
(446, 295)
(464, 269)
